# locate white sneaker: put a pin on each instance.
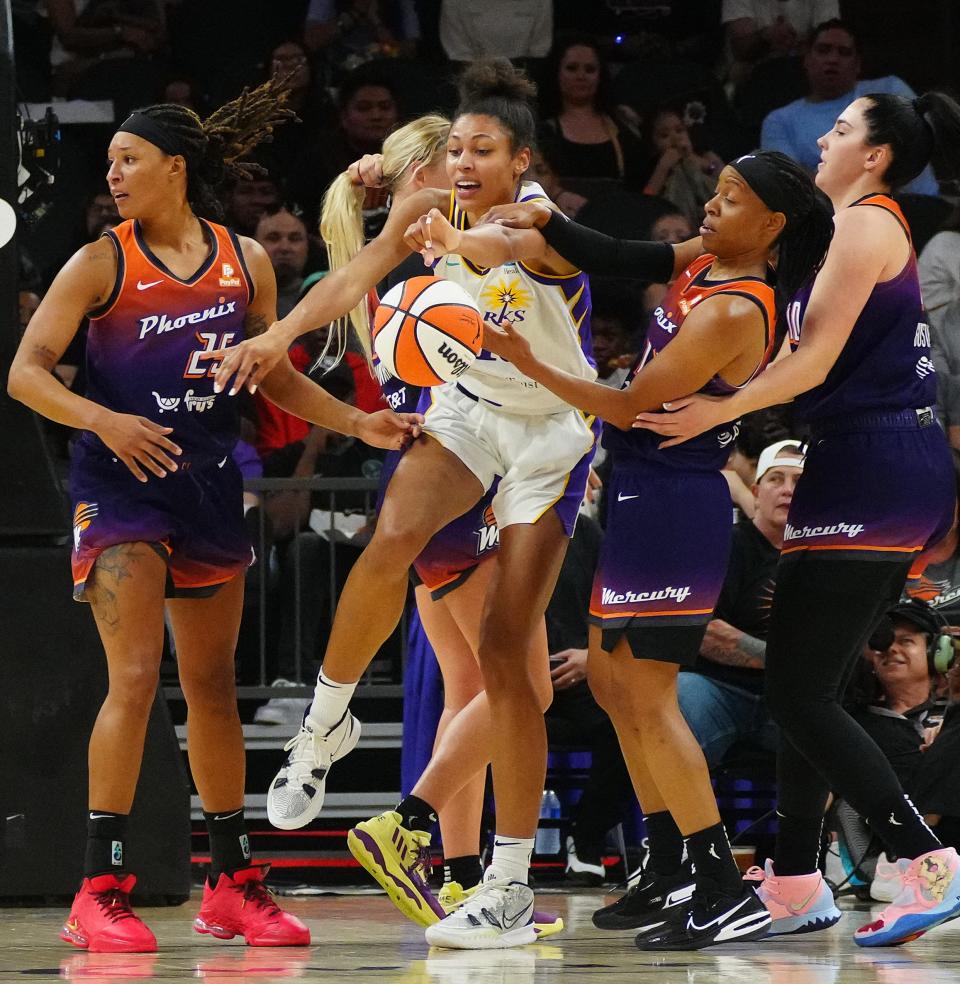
(887, 881)
(579, 872)
(282, 710)
(497, 916)
(295, 796)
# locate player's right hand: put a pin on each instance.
(248, 363)
(432, 236)
(139, 443)
(368, 171)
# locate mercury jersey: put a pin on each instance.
(552, 312)
(885, 363)
(711, 449)
(144, 342)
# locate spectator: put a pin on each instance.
(516, 29)
(575, 718)
(614, 321)
(673, 169)
(672, 227)
(722, 697)
(248, 199)
(832, 65)
(939, 267)
(580, 123)
(283, 235)
(543, 170)
(368, 111)
(352, 32)
(757, 30)
(181, 91)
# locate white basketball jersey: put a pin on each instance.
(552, 312)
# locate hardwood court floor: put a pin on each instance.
(359, 939)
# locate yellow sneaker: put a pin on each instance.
(399, 860)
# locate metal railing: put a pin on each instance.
(375, 679)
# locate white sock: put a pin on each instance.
(330, 702)
(511, 859)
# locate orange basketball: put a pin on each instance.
(427, 331)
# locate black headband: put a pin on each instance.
(766, 182)
(143, 126)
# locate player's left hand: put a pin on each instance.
(368, 171)
(505, 342)
(685, 418)
(519, 215)
(568, 668)
(386, 429)
(432, 236)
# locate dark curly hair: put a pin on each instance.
(496, 88)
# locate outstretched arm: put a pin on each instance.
(299, 395)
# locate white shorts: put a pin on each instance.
(542, 460)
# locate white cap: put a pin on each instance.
(776, 455)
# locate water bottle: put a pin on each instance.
(548, 837)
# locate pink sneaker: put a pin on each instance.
(796, 903)
(102, 921)
(930, 896)
(242, 906)
(887, 881)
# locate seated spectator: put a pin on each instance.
(248, 199)
(177, 88)
(580, 122)
(673, 170)
(832, 65)
(722, 698)
(575, 718)
(351, 32)
(543, 170)
(939, 268)
(672, 227)
(307, 98)
(516, 29)
(367, 112)
(760, 30)
(615, 323)
(283, 235)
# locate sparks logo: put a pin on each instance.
(83, 516)
(228, 276)
(488, 536)
(505, 302)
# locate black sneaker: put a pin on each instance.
(653, 902)
(714, 918)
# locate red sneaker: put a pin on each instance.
(102, 921)
(242, 905)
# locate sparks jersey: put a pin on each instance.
(144, 342)
(551, 311)
(885, 363)
(711, 449)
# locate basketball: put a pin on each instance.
(427, 331)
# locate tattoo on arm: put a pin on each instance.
(46, 357)
(748, 653)
(256, 324)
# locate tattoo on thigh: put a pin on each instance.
(113, 566)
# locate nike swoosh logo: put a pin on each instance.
(497, 843)
(142, 286)
(800, 906)
(895, 822)
(220, 464)
(722, 918)
(511, 921)
(227, 816)
(100, 816)
(623, 498)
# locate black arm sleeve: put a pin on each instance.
(593, 252)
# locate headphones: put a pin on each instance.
(941, 650)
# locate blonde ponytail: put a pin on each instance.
(341, 219)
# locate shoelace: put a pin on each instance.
(261, 896)
(115, 904)
(755, 873)
(302, 760)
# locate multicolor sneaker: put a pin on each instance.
(453, 895)
(242, 906)
(295, 796)
(102, 921)
(887, 881)
(399, 861)
(498, 915)
(797, 903)
(930, 896)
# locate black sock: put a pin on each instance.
(466, 870)
(798, 845)
(902, 829)
(106, 844)
(416, 814)
(713, 861)
(665, 842)
(229, 843)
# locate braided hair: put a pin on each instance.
(213, 148)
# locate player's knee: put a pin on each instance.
(134, 682)
(210, 686)
(396, 544)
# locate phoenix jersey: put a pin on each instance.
(551, 311)
(885, 363)
(145, 341)
(711, 449)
